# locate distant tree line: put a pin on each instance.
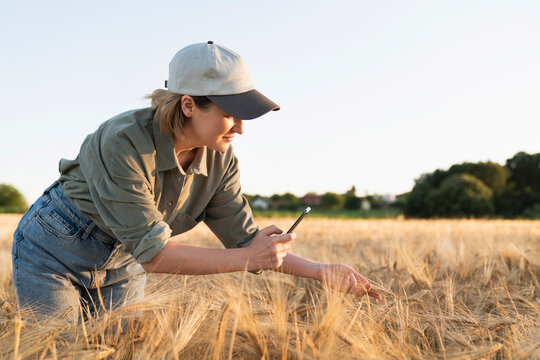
(327, 201)
(482, 189)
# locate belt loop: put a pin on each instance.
(47, 190)
(89, 230)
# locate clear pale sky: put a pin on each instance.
(372, 93)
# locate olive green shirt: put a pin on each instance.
(127, 179)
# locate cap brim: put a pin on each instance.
(246, 106)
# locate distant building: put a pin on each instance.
(260, 203)
(311, 199)
(365, 205)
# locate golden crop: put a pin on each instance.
(453, 289)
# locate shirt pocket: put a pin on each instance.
(184, 222)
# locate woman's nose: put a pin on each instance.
(238, 126)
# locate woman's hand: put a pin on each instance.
(268, 249)
(345, 279)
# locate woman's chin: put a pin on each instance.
(220, 147)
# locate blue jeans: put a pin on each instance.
(61, 258)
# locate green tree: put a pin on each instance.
(533, 212)
(462, 195)
(287, 201)
(375, 201)
(515, 187)
(401, 200)
(352, 202)
(417, 203)
(523, 190)
(332, 201)
(525, 171)
(493, 175)
(351, 192)
(523, 187)
(11, 200)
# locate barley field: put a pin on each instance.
(452, 289)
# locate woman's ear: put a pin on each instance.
(188, 105)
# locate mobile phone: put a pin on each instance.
(308, 209)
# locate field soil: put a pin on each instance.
(452, 289)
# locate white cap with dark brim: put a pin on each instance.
(208, 69)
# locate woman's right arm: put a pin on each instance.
(265, 252)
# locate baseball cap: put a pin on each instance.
(211, 70)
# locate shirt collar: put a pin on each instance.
(198, 165)
(166, 156)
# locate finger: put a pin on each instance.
(271, 230)
(361, 279)
(361, 288)
(352, 284)
(283, 238)
(374, 295)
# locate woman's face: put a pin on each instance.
(211, 126)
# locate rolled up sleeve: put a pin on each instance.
(228, 214)
(122, 193)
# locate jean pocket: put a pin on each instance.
(57, 223)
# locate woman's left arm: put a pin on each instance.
(339, 277)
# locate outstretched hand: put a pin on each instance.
(345, 279)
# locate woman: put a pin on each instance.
(145, 176)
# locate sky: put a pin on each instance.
(372, 93)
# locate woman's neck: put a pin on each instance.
(185, 158)
(185, 150)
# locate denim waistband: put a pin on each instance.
(57, 193)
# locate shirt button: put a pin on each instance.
(170, 203)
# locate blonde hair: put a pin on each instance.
(168, 108)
